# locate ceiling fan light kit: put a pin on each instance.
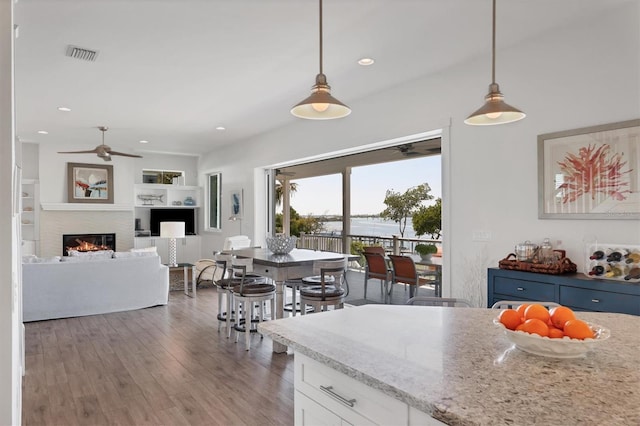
(320, 105)
(102, 151)
(495, 110)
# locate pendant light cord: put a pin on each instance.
(320, 26)
(493, 46)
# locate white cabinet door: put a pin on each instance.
(310, 413)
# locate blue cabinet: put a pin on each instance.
(573, 290)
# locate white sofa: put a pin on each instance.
(78, 288)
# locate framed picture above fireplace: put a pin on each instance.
(89, 183)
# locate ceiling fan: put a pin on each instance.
(103, 151)
(406, 150)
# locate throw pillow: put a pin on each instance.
(107, 253)
(152, 249)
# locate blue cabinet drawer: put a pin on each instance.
(524, 290)
(596, 300)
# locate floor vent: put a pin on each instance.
(80, 53)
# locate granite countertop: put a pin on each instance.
(457, 366)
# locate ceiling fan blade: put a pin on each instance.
(93, 151)
(124, 155)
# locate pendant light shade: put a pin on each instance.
(494, 110)
(320, 105)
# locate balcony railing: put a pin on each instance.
(334, 243)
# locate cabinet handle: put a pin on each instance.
(329, 390)
(595, 300)
(520, 288)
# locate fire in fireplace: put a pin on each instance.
(88, 242)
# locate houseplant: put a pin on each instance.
(426, 250)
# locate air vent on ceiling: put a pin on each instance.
(81, 53)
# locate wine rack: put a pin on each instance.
(619, 262)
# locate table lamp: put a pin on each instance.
(172, 230)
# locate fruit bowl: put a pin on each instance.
(281, 244)
(555, 348)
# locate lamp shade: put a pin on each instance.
(320, 105)
(172, 230)
(495, 110)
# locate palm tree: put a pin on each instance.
(293, 187)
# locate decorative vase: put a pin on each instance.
(426, 257)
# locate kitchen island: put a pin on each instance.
(455, 366)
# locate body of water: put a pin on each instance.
(374, 226)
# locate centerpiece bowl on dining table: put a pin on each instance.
(555, 348)
(281, 244)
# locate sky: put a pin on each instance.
(323, 195)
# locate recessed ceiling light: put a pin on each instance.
(366, 61)
(221, 128)
(143, 141)
(64, 109)
(43, 132)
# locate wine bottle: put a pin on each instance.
(597, 270)
(616, 271)
(633, 257)
(633, 274)
(597, 255)
(614, 256)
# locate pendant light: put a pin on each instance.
(494, 110)
(321, 105)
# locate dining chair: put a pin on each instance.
(377, 268)
(248, 295)
(513, 304)
(223, 285)
(404, 271)
(325, 287)
(439, 301)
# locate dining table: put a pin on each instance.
(281, 267)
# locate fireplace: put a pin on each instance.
(88, 242)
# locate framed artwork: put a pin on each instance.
(89, 183)
(237, 204)
(590, 173)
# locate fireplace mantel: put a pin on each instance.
(86, 207)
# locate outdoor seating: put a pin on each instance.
(377, 268)
(404, 271)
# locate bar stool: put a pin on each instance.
(224, 285)
(248, 294)
(324, 289)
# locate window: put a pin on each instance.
(212, 203)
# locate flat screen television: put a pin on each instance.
(188, 216)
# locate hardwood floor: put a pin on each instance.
(165, 365)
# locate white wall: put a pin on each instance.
(578, 76)
(10, 277)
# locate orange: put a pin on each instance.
(521, 309)
(555, 333)
(535, 326)
(577, 329)
(510, 318)
(538, 312)
(560, 315)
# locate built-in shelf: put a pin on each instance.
(86, 207)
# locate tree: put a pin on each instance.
(299, 224)
(428, 220)
(402, 206)
(293, 187)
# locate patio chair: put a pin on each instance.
(404, 271)
(439, 301)
(376, 268)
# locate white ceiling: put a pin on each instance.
(170, 71)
